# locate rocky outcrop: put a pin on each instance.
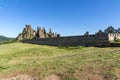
(41, 33)
(52, 34)
(20, 37)
(29, 33)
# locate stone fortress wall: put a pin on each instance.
(90, 40)
(113, 37)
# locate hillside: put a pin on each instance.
(3, 38)
(20, 61)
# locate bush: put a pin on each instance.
(8, 42)
(117, 40)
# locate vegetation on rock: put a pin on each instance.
(29, 33)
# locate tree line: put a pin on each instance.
(109, 29)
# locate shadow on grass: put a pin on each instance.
(71, 47)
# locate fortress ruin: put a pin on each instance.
(53, 39)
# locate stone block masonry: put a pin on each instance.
(90, 40)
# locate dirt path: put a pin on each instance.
(28, 77)
(21, 77)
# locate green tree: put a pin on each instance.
(100, 32)
(110, 29)
(86, 33)
(118, 30)
(50, 32)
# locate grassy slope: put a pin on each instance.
(6, 40)
(75, 63)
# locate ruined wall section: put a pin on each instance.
(113, 37)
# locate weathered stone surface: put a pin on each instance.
(29, 33)
(20, 37)
(91, 40)
(52, 34)
(40, 33)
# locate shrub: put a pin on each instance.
(8, 42)
(117, 40)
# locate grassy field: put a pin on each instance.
(68, 63)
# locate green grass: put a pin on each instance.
(70, 63)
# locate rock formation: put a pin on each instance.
(29, 33)
(41, 33)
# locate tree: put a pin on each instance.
(86, 33)
(118, 30)
(58, 35)
(50, 32)
(100, 32)
(44, 31)
(110, 29)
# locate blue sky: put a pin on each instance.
(67, 17)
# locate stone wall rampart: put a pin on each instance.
(90, 40)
